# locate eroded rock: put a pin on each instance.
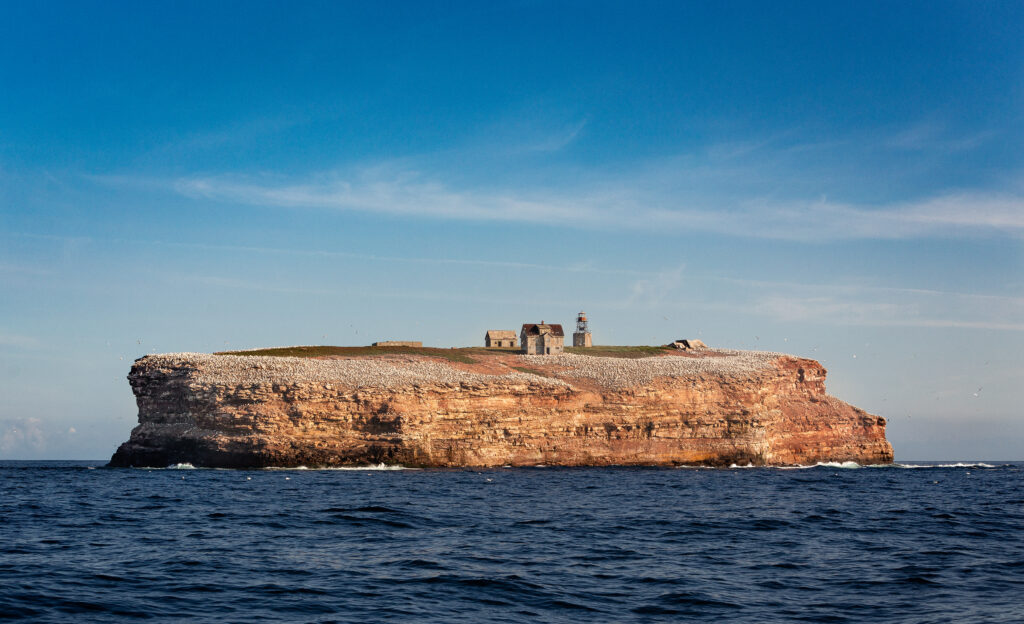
(721, 408)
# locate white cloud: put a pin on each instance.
(932, 136)
(900, 308)
(559, 140)
(852, 304)
(651, 291)
(577, 267)
(15, 269)
(219, 282)
(827, 309)
(623, 203)
(402, 194)
(19, 434)
(17, 341)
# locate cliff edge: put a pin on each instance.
(713, 408)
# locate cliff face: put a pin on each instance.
(719, 408)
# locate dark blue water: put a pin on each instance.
(825, 544)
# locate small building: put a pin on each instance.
(684, 344)
(581, 337)
(504, 338)
(542, 339)
(398, 343)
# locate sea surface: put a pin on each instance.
(832, 543)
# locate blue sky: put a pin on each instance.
(843, 181)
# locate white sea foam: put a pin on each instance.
(366, 467)
(954, 465)
(188, 466)
(851, 465)
(377, 467)
(845, 465)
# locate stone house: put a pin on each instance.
(542, 339)
(500, 338)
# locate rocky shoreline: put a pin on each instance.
(717, 408)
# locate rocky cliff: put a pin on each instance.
(712, 408)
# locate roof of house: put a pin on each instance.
(534, 329)
(501, 334)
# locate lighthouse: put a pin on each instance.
(581, 337)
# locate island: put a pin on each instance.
(476, 407)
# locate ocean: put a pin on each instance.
(832, 543)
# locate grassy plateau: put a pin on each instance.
(468, 355)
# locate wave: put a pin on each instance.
(954, 465)
(380, 466)
(850, 465)
(188, 466)
(370, 467)
(847, 465)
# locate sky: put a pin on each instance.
(842, 181)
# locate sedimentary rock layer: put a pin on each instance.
(715, 408)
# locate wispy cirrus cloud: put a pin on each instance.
(932, 136)
(402, 194)
(832, 311)
(22, 269)
(840, 304)
(558, 140)
(651, 290)
(18, 341)
(791, 185)
(890, 307)
(623, 203)
(584, 267)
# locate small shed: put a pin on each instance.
(504, 338)
(542, 339)
(684, 344)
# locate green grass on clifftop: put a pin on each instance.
(468, 355)
(632, 352)
(455, 355)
